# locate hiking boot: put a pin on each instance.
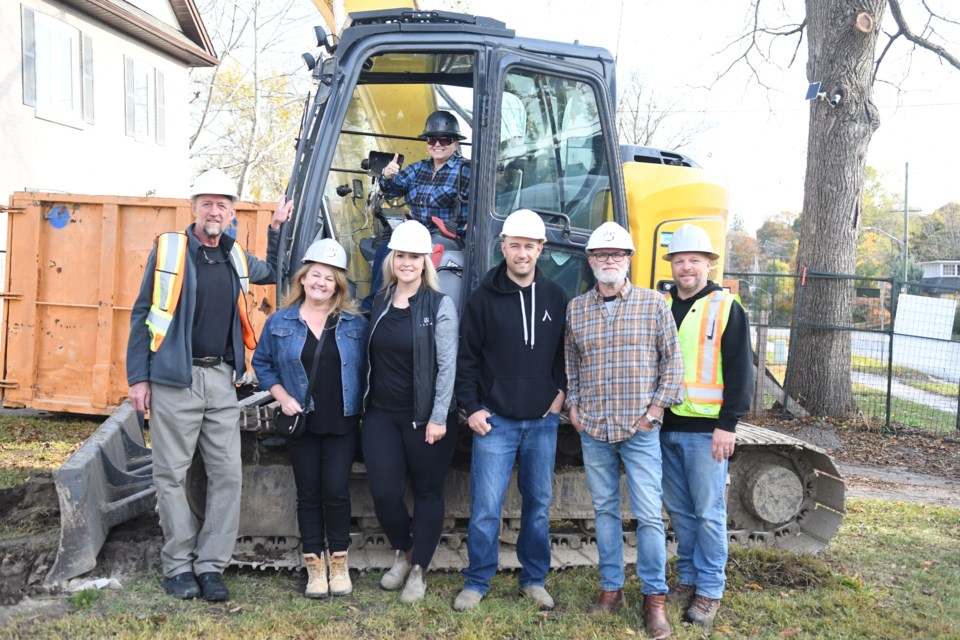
(416, 586)
(340, 584)
(702, 611)
(608, 602)
(539, 595)
(682, 594)
(655, 616)
(317, 586)
(393, 579)
(467, 600)
(211, 583)
(183, 586)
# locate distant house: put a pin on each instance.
(95, 95)
(941, 273)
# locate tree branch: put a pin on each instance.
(921, 42)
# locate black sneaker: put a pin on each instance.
(183, 586)
(213, 588)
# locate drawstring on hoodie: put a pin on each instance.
(531, 337)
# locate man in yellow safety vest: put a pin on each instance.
(188, 331)
(698, 436)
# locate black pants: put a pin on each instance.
(321, 468)
(393, 451)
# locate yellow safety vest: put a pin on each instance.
(700, 345)
(168, 282)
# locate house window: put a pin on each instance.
(145, 114)
(57, 69)
(950, 270)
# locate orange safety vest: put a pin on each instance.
(700, 345)
(168, 282)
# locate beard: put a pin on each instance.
(607, 277)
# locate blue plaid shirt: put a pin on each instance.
(431, 194)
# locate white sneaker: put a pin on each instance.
(393, 579)
(467, 600)
(539, 595)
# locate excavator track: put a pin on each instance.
(782, 492)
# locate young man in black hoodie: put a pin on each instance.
(699, 436)
(511, 382)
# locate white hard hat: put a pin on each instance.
(412, 237)
(690, 238)
(327, 251)
(214, 182)
(524, 223)
(610, 235)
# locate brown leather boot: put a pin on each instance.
(608, 602)
(655, 616)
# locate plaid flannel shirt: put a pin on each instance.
(431, 194)
(621, 361)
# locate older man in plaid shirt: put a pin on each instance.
(624, 368)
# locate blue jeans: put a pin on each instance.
(640, 455)
(534, 444)
(694, 494)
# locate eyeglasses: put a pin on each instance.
(210, 260)
(443, 141)
(613, 256)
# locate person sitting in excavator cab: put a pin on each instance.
(435, 190)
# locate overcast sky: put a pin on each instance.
(757, 137)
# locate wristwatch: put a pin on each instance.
(653, 420)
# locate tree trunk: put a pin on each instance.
(841, 42)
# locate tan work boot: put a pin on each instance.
(655, 616)
(317, 586)
(416, 586)
(393, 579)
(539, 595)
(702, 611)
(340, 584)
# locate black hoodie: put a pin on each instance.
(511, 346)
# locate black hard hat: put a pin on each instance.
(441, 123)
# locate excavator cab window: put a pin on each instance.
(394, 94)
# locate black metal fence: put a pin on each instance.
(905, 345)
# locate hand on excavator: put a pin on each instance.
(392, 168)
(281, 213)
(140, 396)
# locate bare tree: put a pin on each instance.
(245, 109)
(845, 49)
(647, 119)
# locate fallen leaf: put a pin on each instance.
(926, 563)
(236, 609)
(754, 586)
(723, 629)
(789, 632)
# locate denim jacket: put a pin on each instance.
(277, 358)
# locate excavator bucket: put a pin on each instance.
(107, 481)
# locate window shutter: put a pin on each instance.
(161, 111)
(29, 59)
(87, 55)
(129, 102)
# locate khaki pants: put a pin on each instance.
(181, 420)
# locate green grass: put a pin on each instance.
(873, 404)
(948, 389)
(29, 446)
(893, 571)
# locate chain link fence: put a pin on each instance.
(905, 345)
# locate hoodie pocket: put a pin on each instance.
(523, 397)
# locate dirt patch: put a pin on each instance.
(29, 535)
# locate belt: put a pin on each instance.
(208, 362)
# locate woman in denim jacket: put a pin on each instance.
(319, 303)
(408, 431)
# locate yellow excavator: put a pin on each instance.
(539, 118)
